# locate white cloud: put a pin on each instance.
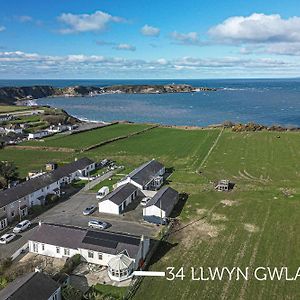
(190, 38)
(2, 28)
(125, 47)
(257, 28)
(97, 21)
(150, 30)
(292, 49)
(24, 19)
(26, 64)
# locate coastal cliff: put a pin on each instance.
(11, 95)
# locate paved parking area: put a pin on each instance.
(69, 212)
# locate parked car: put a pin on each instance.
(89, 210)
(145, 201)
(22, 226)
(6, 238)
(97, 224)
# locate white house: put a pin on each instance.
(38, 135)
(14, 129)
(58, 128)
(32, 286)
(148, 176)
(116, 201)
(5, 118)
(97, 247)
(160, 206)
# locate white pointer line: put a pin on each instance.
(149, 273)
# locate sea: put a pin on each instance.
(263, 101)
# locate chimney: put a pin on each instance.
(40, 223)
(37, 270)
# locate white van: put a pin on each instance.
(102, 192)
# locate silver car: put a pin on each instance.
(89, 210)
(97, 224)
(6, 238)
(22, 226)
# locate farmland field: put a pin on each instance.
(255, 225)
(88, 138)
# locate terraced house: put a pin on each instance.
(16, 201)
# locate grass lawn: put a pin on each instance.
(13, 108)
(30, 160)
(109, 290)
(88, 138)
(256, 224)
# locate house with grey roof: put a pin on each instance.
(148, 176)
(96, 247)
(32, 286)
(159, 208)
(16, 201)
(116, 201)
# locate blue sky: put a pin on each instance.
(149, 39)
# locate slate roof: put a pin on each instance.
(27, 187)
(76, 237)
(166, 198)
(146, 172)
(120, 194)
(31, 286)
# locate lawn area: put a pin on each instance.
(12, 108)
(109, 290)
(255, 225)
(180, 149)
(88, 138)
(32, 160)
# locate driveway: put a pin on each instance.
(69, 212)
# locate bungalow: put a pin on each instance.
(121, 253)
(116, 201)
(160, 206)
(38, 135)
(148, 176)
(32, 286)
(15, 201)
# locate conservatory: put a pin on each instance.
(120, 267)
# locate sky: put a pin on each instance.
(137, 39)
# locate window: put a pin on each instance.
(12, 214)
(43, 247)
(57, 250)
(67, 252)
(90, 254)
(35, 247)
(100, 256)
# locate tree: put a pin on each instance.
(8, 172)
(71, 293)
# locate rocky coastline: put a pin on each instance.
(13, 95)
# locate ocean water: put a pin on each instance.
(264, 101)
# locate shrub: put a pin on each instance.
(70, 293)
(71, 264)
(51, 198)
(5, 263)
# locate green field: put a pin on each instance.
(88, 138)
(12, 108)
(33, 160)
(255, 225)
